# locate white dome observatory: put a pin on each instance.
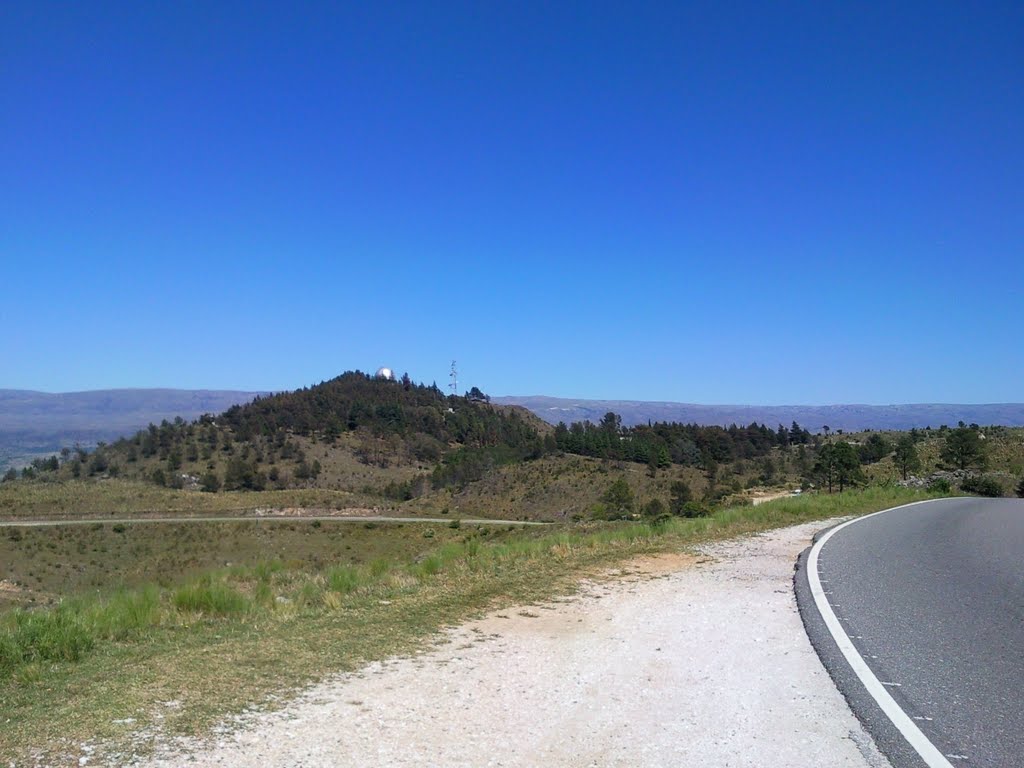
(385, 373)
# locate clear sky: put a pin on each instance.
(760, 203)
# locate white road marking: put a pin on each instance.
(931, 755)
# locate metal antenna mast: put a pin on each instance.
(454, 376)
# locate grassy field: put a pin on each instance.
(40, 566)
(175, 658)
(555, 488)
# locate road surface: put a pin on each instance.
(931, 598)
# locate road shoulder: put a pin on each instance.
(682, 663)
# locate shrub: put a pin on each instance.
(681, 494)
(693, 509)
(210, 482)
(940, 485)
(1020, 488)
(655, 511)
(983, 485)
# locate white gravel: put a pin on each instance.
(674, 663)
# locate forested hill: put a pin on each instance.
(354, 432)
(355, 401)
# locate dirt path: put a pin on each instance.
(262, 519)
(675, 664)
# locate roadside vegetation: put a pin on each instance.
(99, 667)
(44, 565)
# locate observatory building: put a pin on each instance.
(385, 373)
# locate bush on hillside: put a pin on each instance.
(655, 511)
(619, 498)
(983, 485)
(694, 509)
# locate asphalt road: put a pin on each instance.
(932, 597)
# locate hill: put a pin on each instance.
(353, 433)
(850, 418)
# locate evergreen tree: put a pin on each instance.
(681, 494)
(963, 447)
(619, 498)
(838, 464)
(905, 457)
(875, 448)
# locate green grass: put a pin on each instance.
(236, 635)
(214, 598)
(46, 564)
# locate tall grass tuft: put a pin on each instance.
(428, 566)
(123, 614)
(32, 636)
(265, 570)
(211, 597)
(343, 579)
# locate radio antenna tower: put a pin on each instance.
(454, 376)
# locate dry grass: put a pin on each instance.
(115, 498)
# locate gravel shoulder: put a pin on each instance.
(674, 660)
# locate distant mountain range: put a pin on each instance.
(33, 423)
(39, 422)
(813, 417)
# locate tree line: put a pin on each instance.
(665, 443)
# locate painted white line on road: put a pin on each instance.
(931, 755)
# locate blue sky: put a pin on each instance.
(760, 203)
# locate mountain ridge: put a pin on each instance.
(845, 416)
